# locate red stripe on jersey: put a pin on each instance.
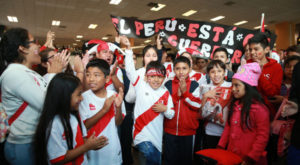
(17, 113)
(58, 159)
(109, 83)
(144, 119)
(79, 142)
(102, 123)
(196, 76)
(137, 80)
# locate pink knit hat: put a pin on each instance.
(248, 73)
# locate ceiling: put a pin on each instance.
(77, 15)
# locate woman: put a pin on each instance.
(23, 91)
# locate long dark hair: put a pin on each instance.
(9, 46)
(57, 102)
(251, 96)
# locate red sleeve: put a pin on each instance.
(192, 99)
(272, 86)
(260, 117)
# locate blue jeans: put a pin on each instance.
(293, 156)
(17, 154)
(150, 153)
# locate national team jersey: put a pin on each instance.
(110, 154)
(148, 124)
(57, 145)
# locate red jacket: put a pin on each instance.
(270, 80)
(249, 144)
(185, 121)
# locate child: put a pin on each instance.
(101, 112)
(202, 64)
(153, 103)
(222, 55)
(180, 131)
(287, 80)
(194, 76)
(59, 134)
(216, 120)
(271, 77)
(247, 130)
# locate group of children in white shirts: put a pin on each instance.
(81, 128)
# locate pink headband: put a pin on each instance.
(154, 72)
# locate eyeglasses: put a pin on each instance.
(31, 42)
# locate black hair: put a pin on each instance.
(293, 48)
(291, 58)
(9, 46)
(221, 49)
(100, 64)
(205, 59)
(214, 63)
(182, 59)
(146, 48)
(57, 103)
(251, 96)
(171, 55)
(159, 67)
(259, 38)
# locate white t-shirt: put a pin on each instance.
(57, 145)
(110, 154)
(212, 128)
(148, 125)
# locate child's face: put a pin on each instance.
(105, 55)
(238, 89)
(220, 56)
(182, 70)
(257, 52)
(95, 79)
(150, 55)
(201, 63)
(247, 52)
(76, 98)
(217, 75)
(155, 81)
(288, 69)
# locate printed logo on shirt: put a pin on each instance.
(92, 107)
(267, 76)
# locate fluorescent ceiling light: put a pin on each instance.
(12, 19)
(104, 38)
(79, 36)
(258, 27)
(147, 41)
(240, 23)
(159, 6)
(115, 2)
(55, 23)
(188, 13)
(74, 44)
(77, 40)
(93, 26)
(217, 18)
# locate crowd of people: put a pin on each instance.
(99, 107)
